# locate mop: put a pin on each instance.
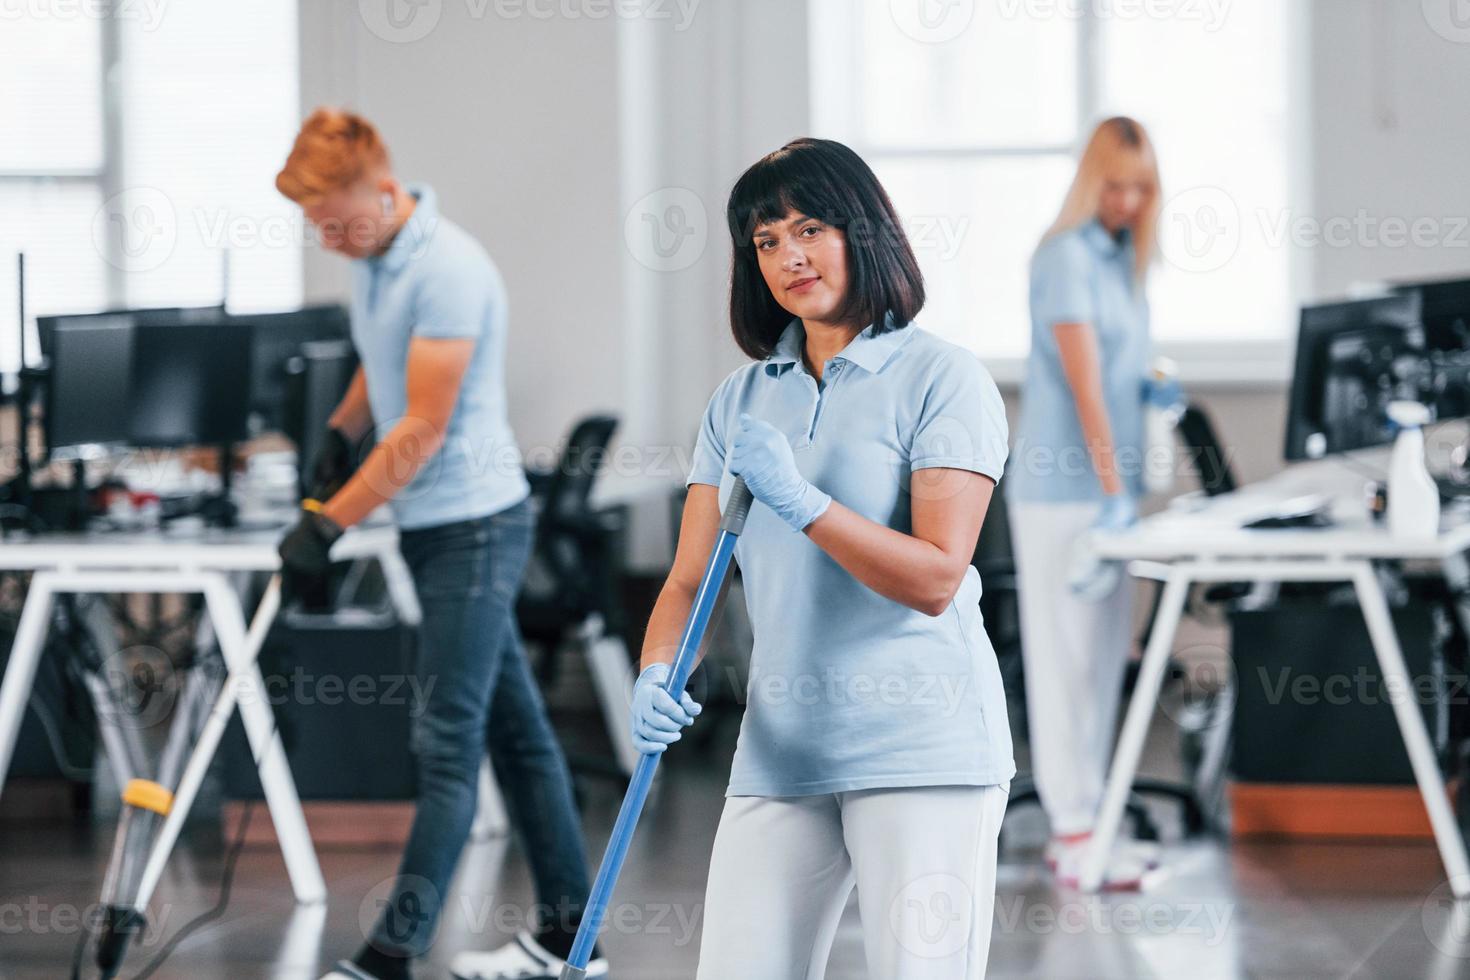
(708, 601)
(148, 817)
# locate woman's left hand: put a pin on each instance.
(1166, 394)
(762, 457)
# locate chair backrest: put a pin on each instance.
(1205, 452)
(994, 549)
(566, 571)
(569, 489)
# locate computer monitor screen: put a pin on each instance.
(46, 325)
(1445, 311)
(1352, 359)
(87, 390)
(190, 383)
(279, 338)
(316, 380)
(1446, 315)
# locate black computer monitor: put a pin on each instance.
(316, 380)
(87, 394)
(1352, 359)
(278, 339)
(190, 383)
(1446, 314)
(1445, 310)
(46, 325)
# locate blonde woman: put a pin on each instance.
(1078, 468)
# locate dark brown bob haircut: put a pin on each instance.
(825, 180)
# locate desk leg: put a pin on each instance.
(1411, 723)
(20, 673)
(401, 591)
(1135, 730)
(240, 651)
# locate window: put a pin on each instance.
(972, 115)
(51, 167)
(132, 191)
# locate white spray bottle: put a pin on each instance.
(1160, 421)
(1413, 497)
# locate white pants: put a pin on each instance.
(1075, 653)
(923, 861)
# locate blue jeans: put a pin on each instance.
(467, 575)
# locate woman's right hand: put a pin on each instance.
(657, 717)
(1119, 512)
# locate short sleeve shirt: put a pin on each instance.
(1082, 276)
(436, 281)
(849, 689)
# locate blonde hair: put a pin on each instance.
(1113, 139)
(334, 149)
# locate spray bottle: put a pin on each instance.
(1413, 497)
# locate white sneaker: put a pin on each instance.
(520, 959)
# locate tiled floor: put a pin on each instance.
(1278, 911)
(1257, 911)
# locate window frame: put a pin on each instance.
(107, 176)
(1217, 360)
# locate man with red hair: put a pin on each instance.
(429, 324)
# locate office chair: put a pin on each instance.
(572, 591)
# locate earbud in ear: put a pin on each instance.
(387, 204)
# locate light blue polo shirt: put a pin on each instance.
(1081, 276)
(436, 281)
(848, 689)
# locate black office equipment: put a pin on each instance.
(148, 378)
(190, 383)
(46, 326)
(1323, 714)
(1445, 313)
(572, 593)
(340, 746)
(278, 341)
(1353, 359)
(1209, 458)
(1306, 515)
(316, 379)
(88, 384)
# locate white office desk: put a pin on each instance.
(1182, 546)
(204, 562)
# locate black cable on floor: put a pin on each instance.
(221, 904)
(226, 880)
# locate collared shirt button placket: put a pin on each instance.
(834, 368)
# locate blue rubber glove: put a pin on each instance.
(1167, 394)
(1091, 578)
(657, 719)
(1119, 513)
(762, 457)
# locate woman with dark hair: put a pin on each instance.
(875, 750)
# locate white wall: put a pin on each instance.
(514, 122)
(544, 136)
(1392, 138)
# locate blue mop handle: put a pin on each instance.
(732, 522)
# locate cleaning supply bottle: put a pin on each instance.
(1162, 413)
(1413, 497)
